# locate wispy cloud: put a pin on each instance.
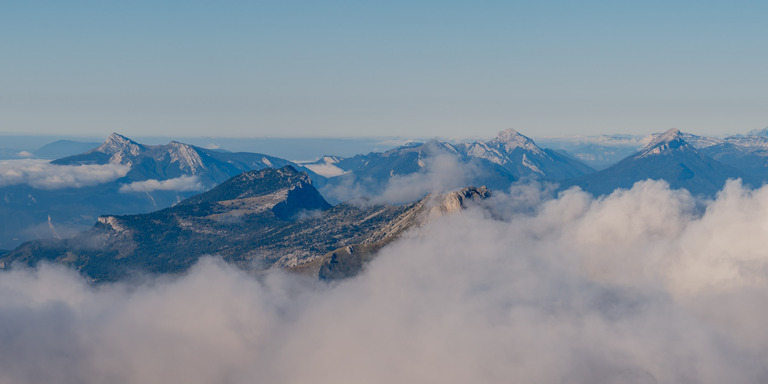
(646, 285)
(183, 183)
(42, 174)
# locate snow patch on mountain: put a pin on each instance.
(324, 167)
(528, 164)
(511, 139)
(664, 143)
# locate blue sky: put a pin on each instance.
(407, 68)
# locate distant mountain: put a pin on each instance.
(598, 152)
(495, 163)
(759, 132)
(273, 218)
(748, 154)
(667, 157)
(63, 148)
(162, 162)
(156, 177)
(521, 156)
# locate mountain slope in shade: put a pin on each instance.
(258, 220)
(667, 157)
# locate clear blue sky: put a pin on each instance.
(382, 68)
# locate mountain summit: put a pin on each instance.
(666, 143)
(120, 149)
(286, 191)
(667, 157)
(510, 139)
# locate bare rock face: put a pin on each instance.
(348, 261)
(457, 201)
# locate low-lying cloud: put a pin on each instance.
(182, 183)
(42, 174)
(439, 172)
(648, 285)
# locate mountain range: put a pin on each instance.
(495, 163)
(667, 157)
(145, 178)
(258, 220)
(140, 178)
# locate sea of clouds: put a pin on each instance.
(648, 285)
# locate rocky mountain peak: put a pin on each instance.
(185, 155)
(255, 184)
(510, 139)
(458, 200)
(121, 149)
(666, 142)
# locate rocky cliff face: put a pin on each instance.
(349, 260)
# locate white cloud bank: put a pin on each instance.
(42, 174)
(183, 183)
(647, 285)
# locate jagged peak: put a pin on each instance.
(118, 140)
(120, 148)
(184, 154)
(665, 142)
(457, 200)
(511, 139)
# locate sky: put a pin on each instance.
(395, 68)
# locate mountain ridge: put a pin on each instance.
(668, 156)
(257, 227)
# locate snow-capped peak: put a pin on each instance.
(511, 139)
(665, 142)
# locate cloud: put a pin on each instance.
(183, 183)
(647, 285)
(42, 174)
(439, 172)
